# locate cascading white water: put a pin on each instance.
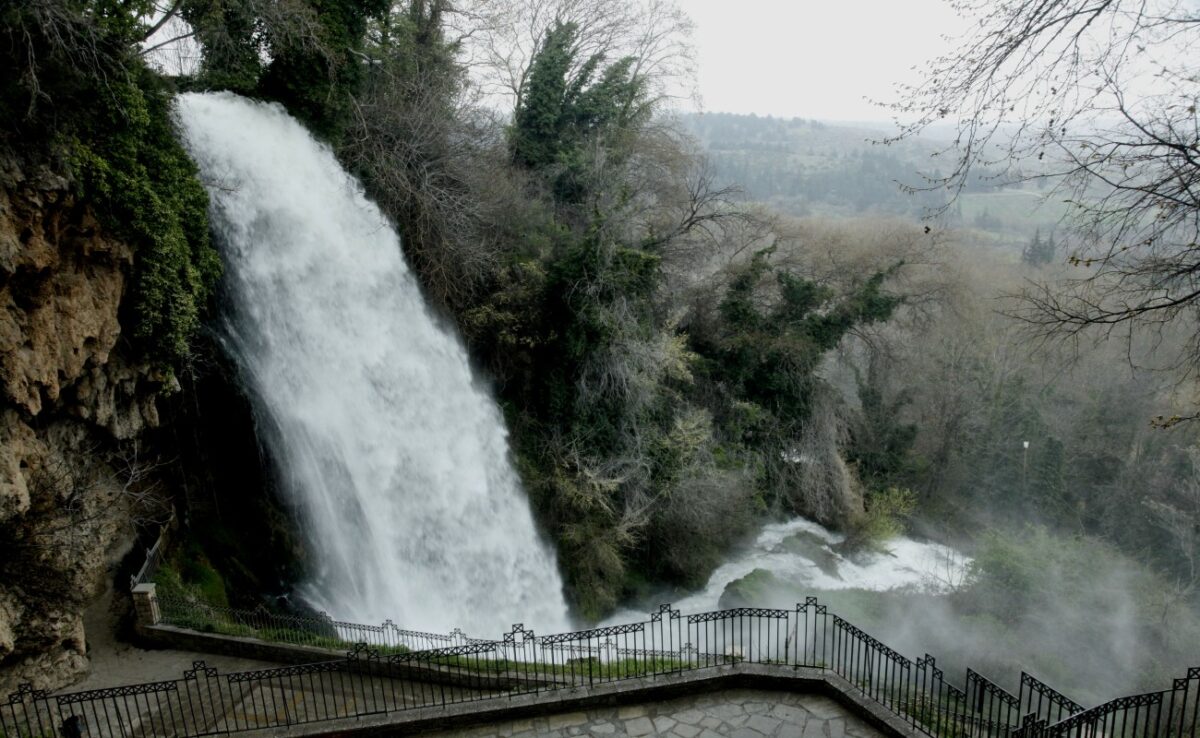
(816, 565)
(803, 559)
(393, 455)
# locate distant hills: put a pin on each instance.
(807, 167)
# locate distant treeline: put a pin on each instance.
(807, 167)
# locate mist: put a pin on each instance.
(1067, 511)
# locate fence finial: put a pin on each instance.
(361, 648)
(25, 691)
(518, 628)
(665, 609)
(199, 668)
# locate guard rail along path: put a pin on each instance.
(391, 670)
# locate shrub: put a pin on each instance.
(886, 511)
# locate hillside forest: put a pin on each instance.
(695, 323)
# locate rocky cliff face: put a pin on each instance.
(72, 405)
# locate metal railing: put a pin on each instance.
(154, 554)
(320, 631)
(1043, 703)
(372, 681)
(1171, 713)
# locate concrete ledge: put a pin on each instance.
(631, 691)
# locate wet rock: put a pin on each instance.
(757, 589)
(813, 548)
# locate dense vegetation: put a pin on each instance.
(81, 98)
(647, 416)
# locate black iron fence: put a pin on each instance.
(371, 680)
(320, 630)
(154, 554)
(1171, 712)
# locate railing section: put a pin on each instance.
(319, 631)
(1171, 713)
(1039, 702)
(384, 675)
(154, 555)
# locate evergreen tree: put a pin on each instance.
(1039, 252)
(567, 106)
(308, 56)
(539, 127)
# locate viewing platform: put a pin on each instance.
(745, 672)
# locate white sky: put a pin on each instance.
(813, 58)
(795, 58)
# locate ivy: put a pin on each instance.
(770, 346)
(128, 164)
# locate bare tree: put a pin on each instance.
(77, 497)
(1099, 98)
(677, 209)
(1177, 516)
(499, 42)
(44, 37)
(418, 153)
(810, 472)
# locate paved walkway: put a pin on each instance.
(114, 663)
(125, 664)
(737, 713)
(210, 701)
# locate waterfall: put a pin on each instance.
(393, 456)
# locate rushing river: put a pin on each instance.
(801, 558)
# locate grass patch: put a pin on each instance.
(189, 576)
(594, 668)
(193, 617)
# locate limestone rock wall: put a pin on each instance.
(72, 405)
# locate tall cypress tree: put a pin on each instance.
(566, 104)
(539, 127)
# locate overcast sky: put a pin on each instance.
(813, 58)
(798, 58)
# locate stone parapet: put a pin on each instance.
(145, 605)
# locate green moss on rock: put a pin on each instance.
(756, 589)
(128, 163)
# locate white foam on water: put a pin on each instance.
(907, 563)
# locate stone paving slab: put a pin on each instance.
(737, 713)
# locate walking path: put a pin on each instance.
(114, 663)
(737, 713)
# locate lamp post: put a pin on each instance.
(1024, 465)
